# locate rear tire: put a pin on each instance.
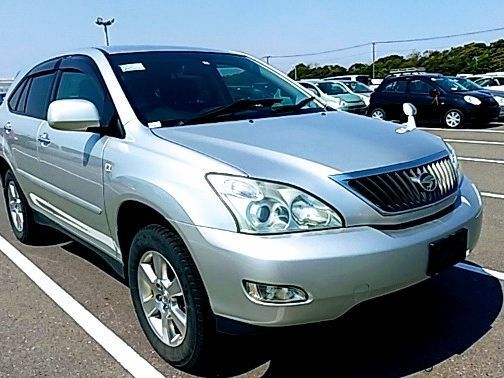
(166, 288)
(378, 113)
(453, 119)
(19, 212)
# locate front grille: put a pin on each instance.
(410, 188)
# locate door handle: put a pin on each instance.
(44, 139)
(8, 127)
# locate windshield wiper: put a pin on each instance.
(295, 107)
(240, 105)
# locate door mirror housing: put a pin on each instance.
(409, 109)
(73, 115)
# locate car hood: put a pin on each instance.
(349, 97)
(278, 147)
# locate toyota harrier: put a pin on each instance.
(224, 193)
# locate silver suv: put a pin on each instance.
(224, 193)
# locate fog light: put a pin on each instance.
(274, 294)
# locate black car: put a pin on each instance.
(438, 99)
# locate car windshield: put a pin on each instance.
(333, 89)
(358, 87)
(468, 84)
(448, 84)
(173, 88)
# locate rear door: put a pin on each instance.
(72, 161)
(392, 97)
(27, 108)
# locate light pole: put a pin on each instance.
(105, 24)
(374, 57)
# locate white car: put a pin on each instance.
(361, 90)
(492, 82)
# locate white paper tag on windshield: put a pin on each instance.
(154, 125)
(132, 67)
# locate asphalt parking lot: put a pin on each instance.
(450, 325)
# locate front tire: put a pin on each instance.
(19, 212)
(170, 299)
(453, 119)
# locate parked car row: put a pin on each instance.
(447, 100)
(439, 99)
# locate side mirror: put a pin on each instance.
(409, 109)
(72, 115)
(313, 91)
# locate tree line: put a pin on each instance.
(471, 58)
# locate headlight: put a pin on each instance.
(500, 100)
(472, 100)
(454, 161)
(262, 207)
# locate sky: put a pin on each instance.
(32, 30)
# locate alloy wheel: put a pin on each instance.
(15, 207)
(377, 114)
(453, 119)
(162, 298)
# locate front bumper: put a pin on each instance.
(337, 268)
(485, 114)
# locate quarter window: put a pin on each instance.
(14, 98)
(39, 95)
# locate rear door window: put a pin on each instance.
(396, 86)
(39, 95)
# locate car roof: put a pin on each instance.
(145, 48)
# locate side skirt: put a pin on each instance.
(116, 265)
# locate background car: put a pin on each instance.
(439, 100)
(330, 101)
(361, 90)
(2, 96)
(492, 82)
(471, 85)
(349, 102)
(364, 79)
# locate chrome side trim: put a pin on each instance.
(60, 192)
(84, 228)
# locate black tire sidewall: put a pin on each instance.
(190, 353)
(24, 235)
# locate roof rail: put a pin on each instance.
(407, 71)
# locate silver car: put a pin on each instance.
(225, 194)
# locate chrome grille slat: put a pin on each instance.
(401, 190)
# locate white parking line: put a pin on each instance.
(115, 346)
(468, 141)
(480, 270)
(481, 160)
(492, 195)
(463, 130)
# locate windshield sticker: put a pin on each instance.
(154, 125)
(132, 67)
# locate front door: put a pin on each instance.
(421, 94)
(72, 161)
